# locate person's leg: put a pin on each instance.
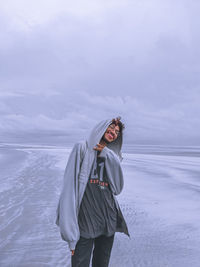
(82, 253)
(102, 250)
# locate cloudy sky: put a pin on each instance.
(65, 65)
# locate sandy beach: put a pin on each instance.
(160, 202)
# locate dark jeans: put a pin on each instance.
(101, 252)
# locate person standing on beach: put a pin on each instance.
(88, 212)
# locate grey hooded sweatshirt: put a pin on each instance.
(75, 180)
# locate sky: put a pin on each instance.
(66, 65)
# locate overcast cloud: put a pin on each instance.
(65, 65)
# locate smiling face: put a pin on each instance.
(111, 133)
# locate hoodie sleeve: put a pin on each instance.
(113, 169)
(66, 211)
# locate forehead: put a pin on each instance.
(116, 126)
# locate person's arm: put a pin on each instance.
(113, 169)
(67, 213)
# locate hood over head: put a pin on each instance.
(97, 133)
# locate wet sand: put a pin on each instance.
(160, 202)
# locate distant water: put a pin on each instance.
(162, 150)
(126, 148)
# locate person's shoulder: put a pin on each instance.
(111, 154)
(80, 145)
